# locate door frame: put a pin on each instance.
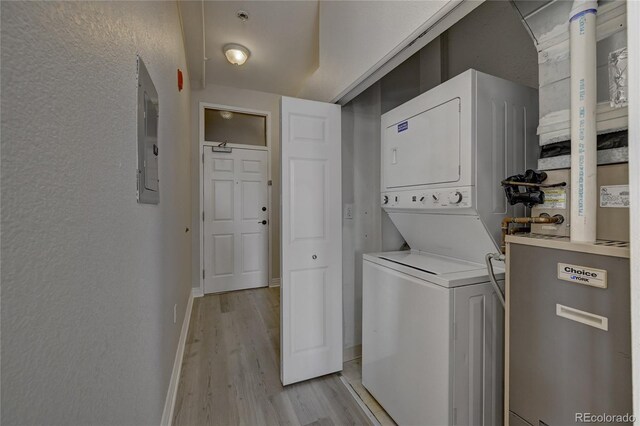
(201, 145)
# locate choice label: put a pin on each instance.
(582, 275)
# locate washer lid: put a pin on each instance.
(432, 264)
(457, 236)
(452, 272)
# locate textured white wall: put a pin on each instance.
(241, 98)
(355, 36)
(90, 277)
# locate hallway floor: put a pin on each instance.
(231, 370)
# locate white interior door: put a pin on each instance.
(311, 286)
(235, 220)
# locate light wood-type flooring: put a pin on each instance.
(231, 370)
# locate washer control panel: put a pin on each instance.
(444, 198)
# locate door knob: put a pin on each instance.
(264, 209)
(314, 257)
(264, 222)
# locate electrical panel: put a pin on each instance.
(148, 184)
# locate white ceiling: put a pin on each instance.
(281, 35)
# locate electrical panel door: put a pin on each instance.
(148, 185)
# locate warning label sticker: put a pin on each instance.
(555, 198)
(614, 196)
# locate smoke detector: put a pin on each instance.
(242, 15)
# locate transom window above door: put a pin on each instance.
(234, 127)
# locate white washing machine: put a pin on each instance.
(432, 328)
(432, 339)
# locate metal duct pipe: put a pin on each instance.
(582, 23)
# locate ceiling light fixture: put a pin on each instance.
(236, 54)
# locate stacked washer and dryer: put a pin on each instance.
(432, 325)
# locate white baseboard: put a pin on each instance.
(170, 401)
(275, 282)
(351, 353)
(197, 292)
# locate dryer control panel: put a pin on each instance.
(437, 199)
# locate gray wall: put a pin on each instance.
(490, 39)
(493, 40)
(89, 276)
(361, 187)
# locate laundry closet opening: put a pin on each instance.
(235, 198)
(383, 169)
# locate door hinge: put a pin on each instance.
(203, 216)
(203, 157)
(269, 183)
(203, 274)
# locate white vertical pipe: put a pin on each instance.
(582, 23)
